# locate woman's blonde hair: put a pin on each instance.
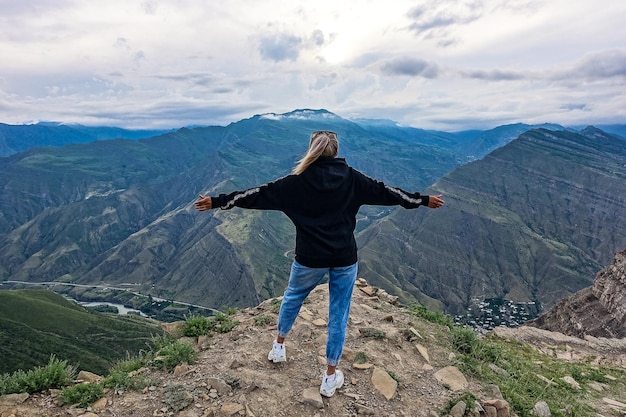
(322, 143)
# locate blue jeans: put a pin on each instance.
(340, 285)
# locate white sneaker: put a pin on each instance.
(330, 384)
(277, 354)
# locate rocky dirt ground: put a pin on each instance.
(408, 372)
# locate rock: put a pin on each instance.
(384, 383)
(348, 354)
(230, 409)
(458, 410)
(546, 380)
(180, 370)
(99, 405)
(203, 341)
(190, 412)
(495, 368)
(86, 376)
(411, 334)
(598, 386)
(388, 298)
(571, 381)
(615, 404)
(423, 351)
(236, 364)
(371, 291)
(10, 400)
(452, 377)
(220, 385)
(541, 409)
(502, 408)
(319, 323)
(495, 391)
(388, 318)
(312, 397)
(361, 282)
(363, 410)
(362, 366)
(490, 411)
(428, 368)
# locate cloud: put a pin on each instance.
(603, 64)
(410, 66)
(437, 19)
(493, 75)
(317, 37)
(575, 106)
(280, 47)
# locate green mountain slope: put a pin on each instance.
(533, 221)
(35, 324)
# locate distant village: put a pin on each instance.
(484, 315)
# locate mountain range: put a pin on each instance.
(530, 211)
(17, 138)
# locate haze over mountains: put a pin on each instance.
(17, 138)
(533, 220)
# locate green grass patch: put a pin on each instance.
(431, 316)
(519, 369)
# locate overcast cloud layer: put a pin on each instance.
(440, 64)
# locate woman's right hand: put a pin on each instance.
(204, 203)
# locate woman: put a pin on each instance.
(321, 197)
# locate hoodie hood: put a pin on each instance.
(326, 174)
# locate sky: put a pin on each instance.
(432, 64)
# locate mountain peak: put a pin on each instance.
(302, 114)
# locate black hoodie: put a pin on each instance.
(322, 202)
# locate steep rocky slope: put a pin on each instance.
(599, 310)
(533, 221)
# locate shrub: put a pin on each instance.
(360, 357)
(371, 332)
(275, 305)
(123, 381)
(56, 374)
(222, 323)
(176, 397)
(393, 376)
(82, 394)
(262, 320)
(196, 326)
(175, 353)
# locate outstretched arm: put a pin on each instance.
(204, 203)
